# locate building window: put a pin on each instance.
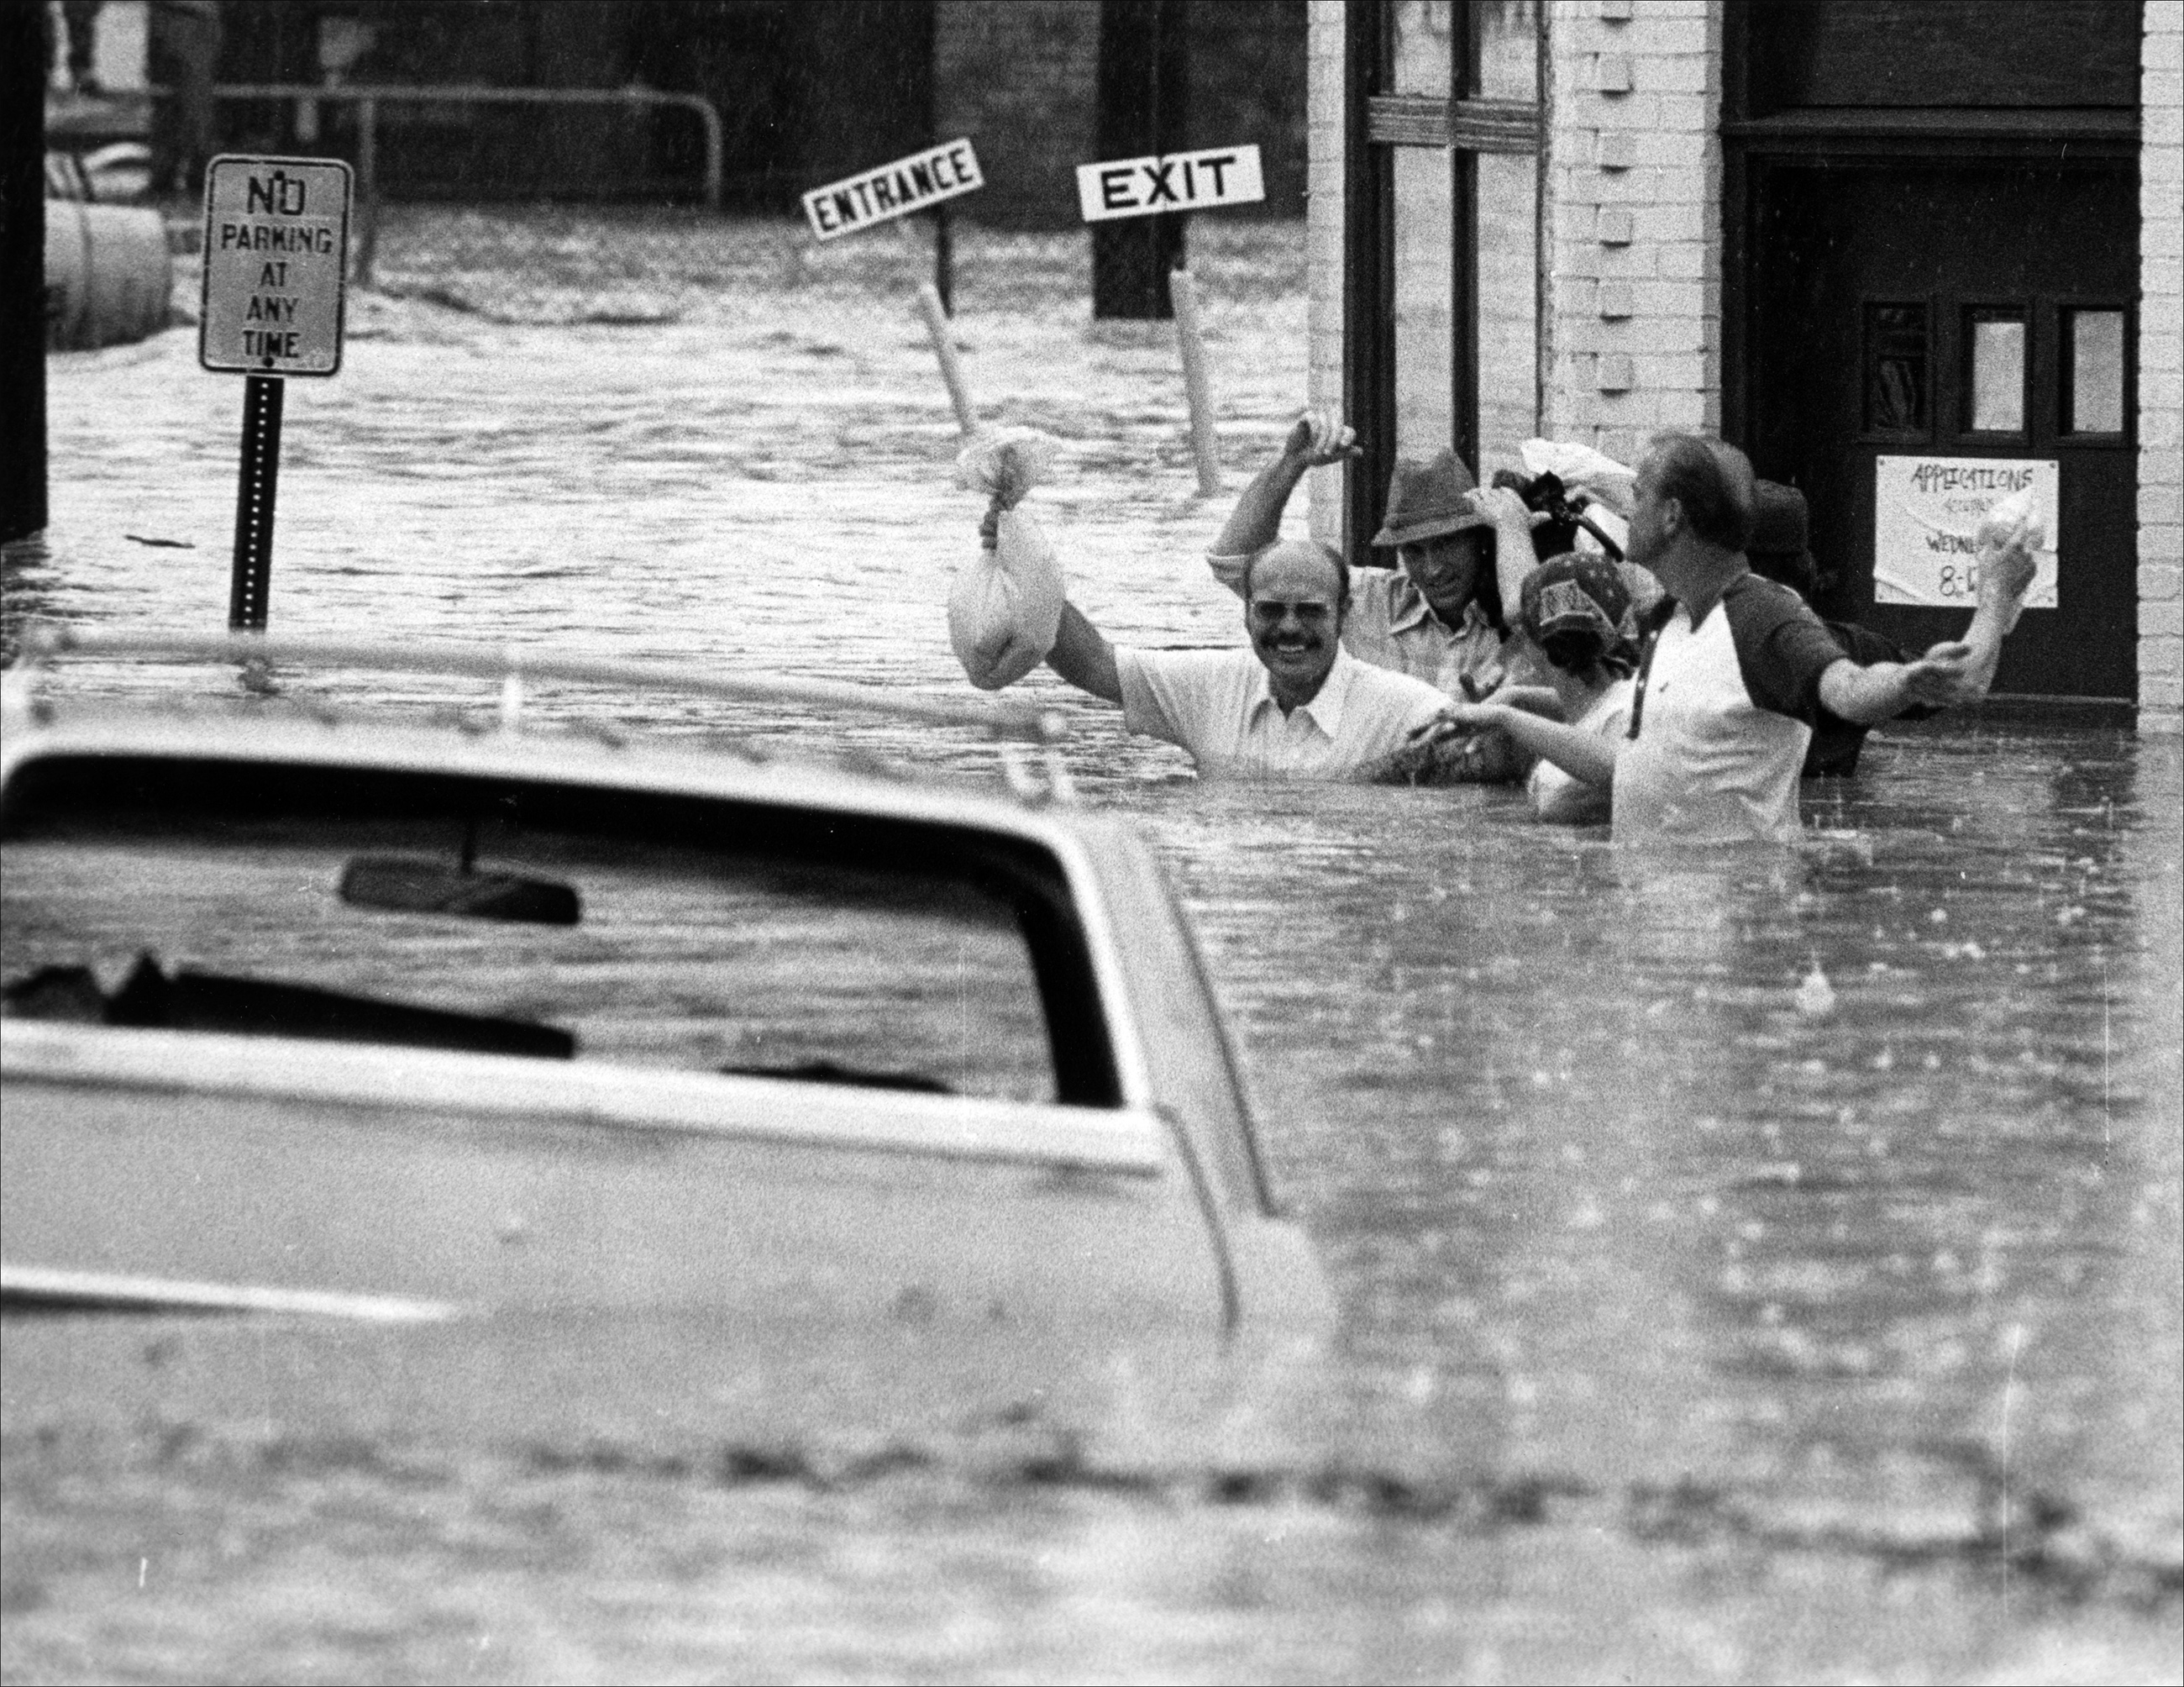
(1896, 369)
(2093, 372)
(1505, 73)
(1994, 385)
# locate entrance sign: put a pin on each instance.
(915, 183)
(1169, 182)
(1926, 513)
(276, 260)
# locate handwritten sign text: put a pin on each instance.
(1926, 513)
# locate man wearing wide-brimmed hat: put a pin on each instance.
(1451, 561)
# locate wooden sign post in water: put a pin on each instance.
(1162, 185)
(275, 269)
(924, 181)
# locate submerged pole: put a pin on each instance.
(1191, 334)
(942, 335)
(256, 480)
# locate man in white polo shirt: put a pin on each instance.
(1295, 705)
(1737, 668)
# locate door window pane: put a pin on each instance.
(1506, 52)
(1896, 369)
(1997, 384)
(1424, 243)
(1505, 61)
(1509, 308)
(2095, 342)
(1421, 47)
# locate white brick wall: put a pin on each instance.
(1324, 244)
(2161, 371)
(1634, 162)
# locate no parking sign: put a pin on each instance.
(276, 276)
(276, 266)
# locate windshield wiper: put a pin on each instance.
(832, 1072)
(252, 1007)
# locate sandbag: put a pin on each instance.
(1005, 607)
(108, 275)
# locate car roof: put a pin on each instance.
(1030, 796)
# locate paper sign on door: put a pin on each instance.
(1926, 514)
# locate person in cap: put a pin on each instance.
(1577, 615)
(1451, 559)
(1781, 550)
(1294, 705)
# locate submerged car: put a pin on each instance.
(363, 1071)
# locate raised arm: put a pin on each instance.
(1255, 522)
(1082, 656)
(1514, 554)
(2005, 576)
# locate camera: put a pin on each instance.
(1546, 494)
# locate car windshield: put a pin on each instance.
(549, 921)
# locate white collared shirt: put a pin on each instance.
(1216, 704)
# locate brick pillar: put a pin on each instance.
(1324, 231)
(2161, 370)
(1634, 221)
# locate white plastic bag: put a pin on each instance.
(1571, 463)
(2015, 518)
(2011, 521)
(1005, 608)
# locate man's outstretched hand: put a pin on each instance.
(1941, 677)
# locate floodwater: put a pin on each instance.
(1698, 1323)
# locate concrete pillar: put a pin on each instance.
(2161, 370)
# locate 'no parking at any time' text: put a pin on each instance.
(275, 248)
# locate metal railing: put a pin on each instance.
(368, 97)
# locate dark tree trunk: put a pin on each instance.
(1145, 108)
(22, 271)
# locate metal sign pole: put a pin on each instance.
(944, 259)
(256, 481)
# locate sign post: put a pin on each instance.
(1153, 187)
(923, 182)
(275, 263)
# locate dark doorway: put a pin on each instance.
(1977, 309)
